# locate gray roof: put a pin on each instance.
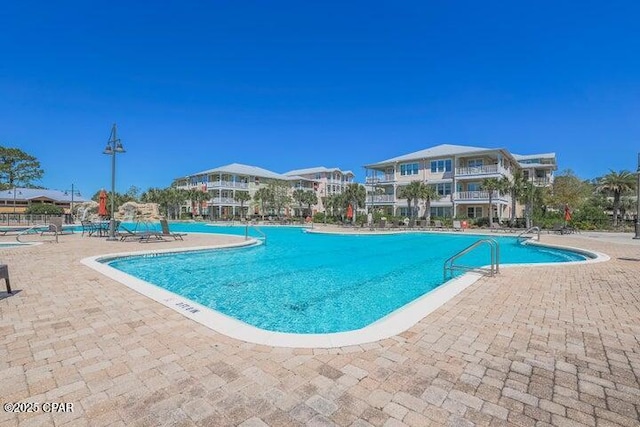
(317, 169)
(298, 178)
(437, 151)
(24, 194)
(534, 156)
(240, 169)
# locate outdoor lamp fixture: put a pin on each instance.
(637, 236)
(113, 147)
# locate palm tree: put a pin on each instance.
(410, 192)
(241, 196)
(265, 197)
(309, 198)
(355, 195)
(197, 197)
(490, 185)
(428, 193)
(616, 183)
(298, 197)
(516, 188)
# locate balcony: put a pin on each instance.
(227, 184)
(379, 179)
(381, 198)
(476, 195)
(541, 182)
(224, 201)
(482, 170)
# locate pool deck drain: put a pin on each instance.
(536, 345)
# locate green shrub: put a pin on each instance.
(42, 208)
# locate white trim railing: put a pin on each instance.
(227, 184)
(224, 200)
(481, 170)
(475, 195)
(382, 198)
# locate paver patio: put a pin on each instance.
(533, 346)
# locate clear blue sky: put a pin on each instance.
(286, 85)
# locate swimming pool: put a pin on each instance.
(308, 283)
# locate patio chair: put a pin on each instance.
(88, 227)
(55, 226)
(437, 224)
(4, 274)
(166, 232)
(457, 226)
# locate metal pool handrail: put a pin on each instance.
(495, 259)
(33, 228)
(533, 229)
(246, 232)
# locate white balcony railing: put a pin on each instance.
(224, 201)
(481, 170)
(475, 195)
(381, 198)
(379, 179)
(227, 184)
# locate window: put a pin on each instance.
(474, 186)
(409, 169)
(475, 163)
(444, 189)
(317, 176)
(474, 211)
(441, 166)
(441, 211)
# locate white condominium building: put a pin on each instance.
(457, 173)
(327, 181)
(223, 183)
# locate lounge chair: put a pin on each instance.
(166, 232)
(457, 226)
(437, 224)
(140, 235)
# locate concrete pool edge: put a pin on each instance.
(388, 326)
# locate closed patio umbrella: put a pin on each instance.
(349, 212)
(102, 204)
(567, 213)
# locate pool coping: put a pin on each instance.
(388, 326)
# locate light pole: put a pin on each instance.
(114, 146)
(73, 193)
(637, 236)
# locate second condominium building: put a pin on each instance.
(457, 173)
(221, 184)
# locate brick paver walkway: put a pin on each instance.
(534, 346)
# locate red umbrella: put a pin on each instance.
(102, 204)
(350, 212)
(567, 213)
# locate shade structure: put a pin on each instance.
(350, 212)
(567, 213)
(102, 204)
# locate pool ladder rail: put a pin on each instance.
(262, 237)
(528, 234)
(493, 269)
(40, 229)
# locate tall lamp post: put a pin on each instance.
(637, 236)
(113, 147)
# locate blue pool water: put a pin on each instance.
(318, 283)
